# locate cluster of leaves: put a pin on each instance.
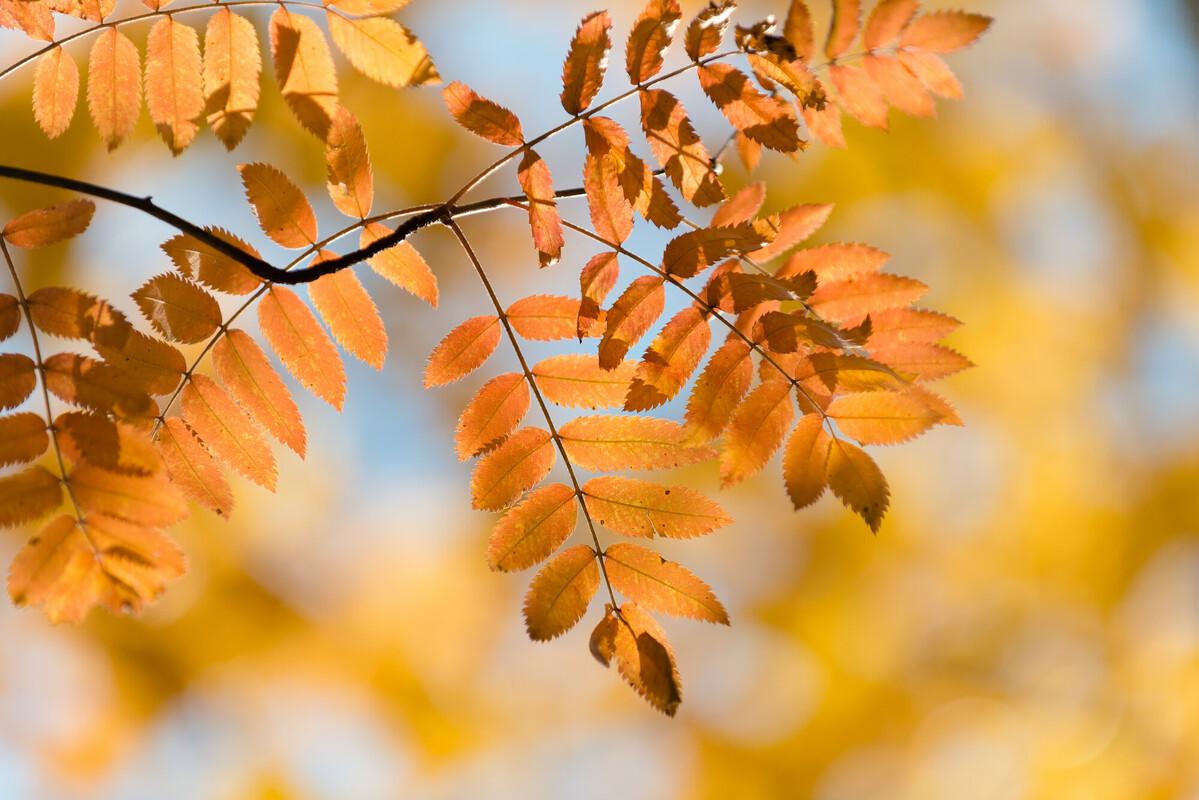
(184, 88)
(823, 352)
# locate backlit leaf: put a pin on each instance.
(517, 465)
(707, 28)
(232, 75)
(462, 351)
(55, 91)
(533, 529)
(143, 500)
(482, 117)
(640, 508)
(798, 30)
(741, 207)
(633, 313)
(383, 50)
(226, 431)
(304, 70)
(805, 461)
(282, 209)
(10, 316)
(887, 21)
(50, 225)
(178, 308)
(847, 20)
(560, 593)
(764, 119)
(23, 438)
(114, 86)
(756, 431)
(537, 184)
(944, 31)
(792, 227)
(251, 380)
(719, 390)
(858, 482)
(83, 381)
(855, 297)
(859, 95)
(834, 262)
(350, 182)
(493, 414)
(192, 469)
(690, 253)
(881, 417)
(642, 655)
(402, 265)
(116, 446)
(596, 279)
(28, 495)
(610, 443)
(544, 317)
(302, 345)
(583, 70)
(825, 124)
(650, 38)
(933, 72)
(174, 96)
(921, 360)
(651, 581)
(899, 86)
(611, 212)
(578, 381)
(671, 358)
(678, 147)
(73, 314)
(908, 325)
(351, 315)
(154, 364)
(213, 269)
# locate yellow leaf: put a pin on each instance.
(232, 75)
(178, 308)
(174, 96)
(887, 21)
(560, 593)
(114, 95)
(302, 345)
(882, 417)
(140, 499)
(282, 209)
(533, 529)
(402, 265)
(578, 381)
(351, 315)
(756, 431)
(28, 495)
(583, 71)
(858, 482)
(50, 225)
(650, 38)
(55, 91)
(304, 70)
(650, 580)
(383, 50)
(23, 438)
(249, 377)
(462, 351)
(609, 443)
(516, 466)
(226, 431)
(493, 414)
(482, 117)
(192, 469)
(804, 461)
(351, 184)
(640, 508)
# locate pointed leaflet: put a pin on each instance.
(150, 363)
(226, 431)
(55, 91)
(678, 147)
(350, 183)
(642, 655)
(766, 120)
(83, 381)
(513, 468)
(401, 264)
(533, 529)
(583, 71)
(213, 269)
(741, 207)
(633, 313)
(304, 70)
(578, 381)
(114, 95)
(790, 228)
(611, 212)
(302, 345)
(650, 38)
(882, 417)
(798, 30)
(825, 124)
(756, 431)
(148, 500)
(645, 577)
(482, 117)
(232, 75)
(45, 226)
(858, 482)
(174, 96)
(282, 209)
(804, 461)
(635, 507)
(462, 351)
(99, 441)
(909, 325)
(28, 495)
(493, 414)
(544, 317)
(860, 96)
(690, 253)
(192, 469)
(178, 308)
(33, 18)
(834, 262)
(538, 186)
(560, 593)
(73, 314)
(854, 298)
(249, 377)
(23, 438)
(383, 50)
(596, 279)
(368, 8)
(887, 21)
(10, 316)
(707, 28)
(922, 361)
(847, 20)
(670, 360)
(608, 142)
(609, 443)
(944, 31)
(351, 315)
(899, 86)
(719, 390)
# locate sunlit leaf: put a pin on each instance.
(383, 50)
(492, 414)
(544, 317)
(649, 39)
(174, 96)
(756, 431)
(350, 181)
(858, 482)
(610, 443)
(633, 313)
(302, 344)
(670, 360)
(645, 577)
(232, 75)
(482, 117)
(178, 308)
(533, 529)
(537, 184)
(402, 265)
(226, 431)
(304, 70)
(578, 381)
(55, 91)
(560, 593)
(517, 465)
(462, 351)
(192, 469)
(114, 86)
(253, 382)
(805, 460)
(351, 315)
(49, 225)
(28, 495)
(282, 209)
(640, 508)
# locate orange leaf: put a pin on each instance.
(28, 495)
(825, 124)
(73, 314)
(650, 38)
(640, 508)
(383, 50)
(192, 469)
(537, 184)
(847, 20)
(55, 91)
(678, 147)
(482, 117)
(609, 443)
(690, 253)
(255, 385)
(33, 18)
(462, 351)
(741, 207)
(147, 361)
(10, 316)
(793, 75)
(544, 317)
(174, 96)
(302, 345)
(560, 593)
(583, 71)
(854, 298)
(944, 31)
(933, 72)
(798, 30)
(99, 441)
(351, 184)
(402, 265)
(114, 86)
(765, 119)
(493, 414)
(921, 360)
(516, 466)
(756, 431)
(887, 21)
(899, 86)
(578, 381)
(226, 431)
(282, 209)
(611, 212)
(834, 262)
(642, 654)
(351, 315)
(804, 461)
(213, 269)
(50, 225)
(178, 308)
(83, 381)
(645, 577)
(533, 529)
(232, 74)
(633, 313)
(304, 70)
(793, 226)
(719, 390)
(858, 482)
(909, 325)
(140, 499)
(671, 358)
(23, 438)
(859, 95)
(596, 279)
(607, 141)
(882, 417)
(707, 28)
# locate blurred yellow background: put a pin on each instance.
(1026, 624)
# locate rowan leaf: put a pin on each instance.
(148, 500)
(491, 415)
(351, 315)
(302, 345)
(805, 461)
(792, 227)
(28, 495)
(304, 70)
(94, 438)
(178, 308)
(933, 72)
(482, 117)
(73, 314)
(793, 75)
(859, 95)
(855, 297)
(174, 96)
(909, 325)
(383, 50)
(114, 95)
(578, 381)
(350, 181)
(834, 262)
(650, 580)
(825, 124)
(232, 75)
(596, 279)
(55, 91)
(756, 431)
(462, 351)
(192, 468)
(678, 147)
(402, 265)
(718, 392)
(153, 364)
(858, 482)
(603, 443)
(741, 207)
(922, 361)
(796, 332)
(537, 184)
(640, 508)
(899, 86)
(847, 21)
(251, 380)
(544, 317)
(888, 417)
(798, 30)
(368, 8)
(23, 438)
(10, 316)
(887, 21)
(560, 593)
(706, 30)
(46, 226)
(642, 655)
(764, 119)
(32, 18)
(85, 382)
(226, 431)
(650, 38)
(533, 529)
(214, 269)
(944, 31)
(670, 360)
(633, 313)
(517, 465)
(610, 209)
(692, 252)
(583, 70)
(282, 209)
